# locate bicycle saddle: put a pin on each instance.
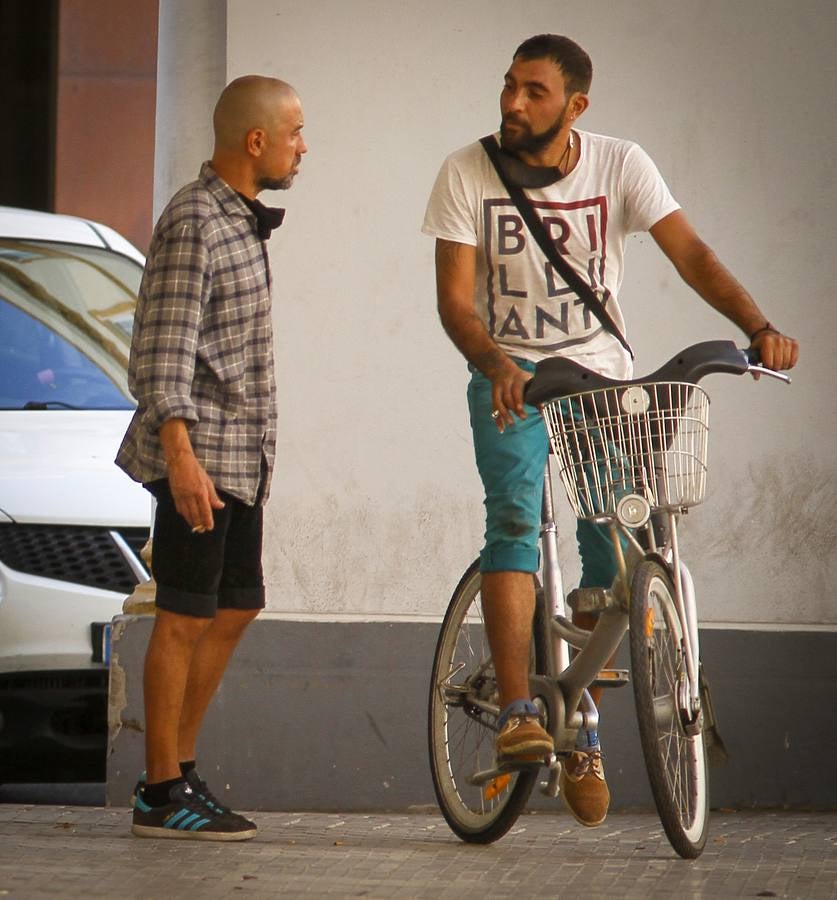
(560, 377)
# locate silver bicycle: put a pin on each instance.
(632, 456)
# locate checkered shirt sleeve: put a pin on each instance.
(175, 288)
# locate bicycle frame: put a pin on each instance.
(564, 689)
(641, 447)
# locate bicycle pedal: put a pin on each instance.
(612, 678)
(479, 779)
(591, 599)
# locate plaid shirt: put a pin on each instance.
(202, 347)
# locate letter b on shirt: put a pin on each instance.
(510, 238)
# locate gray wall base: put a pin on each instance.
(332, 716)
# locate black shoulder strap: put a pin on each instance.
(538, 232)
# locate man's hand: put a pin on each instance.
(777, 351)
(507, 393)
(191, 488)
(193, 492)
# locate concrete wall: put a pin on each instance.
(376, 506)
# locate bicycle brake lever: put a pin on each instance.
(754, 365)
(763, 370)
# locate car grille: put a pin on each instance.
(81, 555)
(135, 538)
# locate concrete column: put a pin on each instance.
(191, 73)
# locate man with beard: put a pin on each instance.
(505, 307)
(203, 438)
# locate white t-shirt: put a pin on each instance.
(614, 190)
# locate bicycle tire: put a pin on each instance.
(674, 759)
(460, 735)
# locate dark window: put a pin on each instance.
(28, 41)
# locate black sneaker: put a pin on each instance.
(188, 817)
(199, 786)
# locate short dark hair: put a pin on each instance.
(573, 62)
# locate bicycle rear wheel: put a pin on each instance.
(461, 731)
(674, 749)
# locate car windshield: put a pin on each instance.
(66, 314)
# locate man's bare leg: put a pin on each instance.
(167, 663)
(508, 600)
(508, 603)
(209, 662)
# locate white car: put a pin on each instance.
(71, 523)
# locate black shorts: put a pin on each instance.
(197, 574)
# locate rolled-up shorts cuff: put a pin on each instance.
(185, 603)
(205, 606)
(509, 559)
(241, 598)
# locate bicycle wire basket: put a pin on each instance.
(648, 439)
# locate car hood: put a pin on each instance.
(56, 467)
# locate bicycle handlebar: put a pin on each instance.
(560, 377)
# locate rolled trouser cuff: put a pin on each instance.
(241, 598)
(185, 603)
(509, 558)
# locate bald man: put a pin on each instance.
(203, 437)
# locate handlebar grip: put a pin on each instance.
(754, 361)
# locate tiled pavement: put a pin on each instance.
(64, 851)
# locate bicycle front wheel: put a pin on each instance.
(674, 749)
(462, 725)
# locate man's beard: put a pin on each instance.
(275, 184)
(525, 141)
(265, 183)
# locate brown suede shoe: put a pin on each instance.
(584, 788)
(522, 739)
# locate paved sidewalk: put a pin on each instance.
(89, 852)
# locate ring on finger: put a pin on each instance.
(198, 529)
(495, 414)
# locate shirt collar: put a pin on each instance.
(267, 218)
(234, 203)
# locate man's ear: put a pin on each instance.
(254, 141)
(578, 103)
